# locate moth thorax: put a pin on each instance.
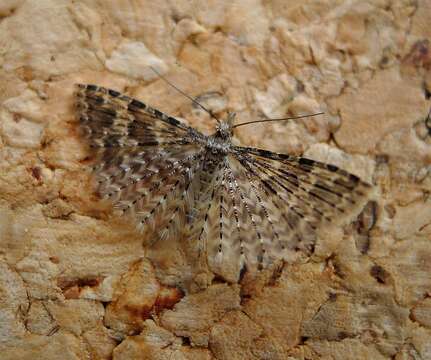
(218, 145)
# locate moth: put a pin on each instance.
(243, 207)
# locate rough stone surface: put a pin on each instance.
(195, 314)
(76, 282)
(155, 342)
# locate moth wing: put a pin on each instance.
(145, 160)
(275, 204)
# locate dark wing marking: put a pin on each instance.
(111, 120)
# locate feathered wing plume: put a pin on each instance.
(144, 160)
(280, 201)
(244, 207)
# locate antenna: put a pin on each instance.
(266, 120)
(187, 96)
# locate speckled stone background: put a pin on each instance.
(76, 282)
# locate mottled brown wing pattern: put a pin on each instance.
(271, 206)
(111, 119)
(144, 160)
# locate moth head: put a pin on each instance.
(224, 129)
